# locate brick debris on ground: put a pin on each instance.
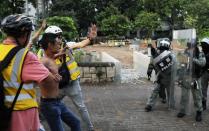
(120, 107)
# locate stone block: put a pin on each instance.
(104, 72)
(92, 70)
(86, 72)
(82, 80)
(94, 76)
(87, 75)
(95, 80)
(87, 80)
(110, 71)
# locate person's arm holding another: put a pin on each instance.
(52, 67)
(34, 70)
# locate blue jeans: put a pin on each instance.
(55, 112)
(74, 92)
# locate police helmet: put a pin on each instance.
(16, 25)
(205, 40)
(205, 44)
(163, 44)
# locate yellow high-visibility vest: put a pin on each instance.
(40, 53)
(12, 76)
(72, 66)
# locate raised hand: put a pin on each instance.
(92, 32)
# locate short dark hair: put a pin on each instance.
(46, 39)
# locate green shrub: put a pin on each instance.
(78, 53)
(204, 33)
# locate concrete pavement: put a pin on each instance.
(120, 107)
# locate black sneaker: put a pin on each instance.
(180, 115)
(148, 108)
(198, 116)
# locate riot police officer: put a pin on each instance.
(205, 76)
(163, 62)
(190, 77)
(153, 53)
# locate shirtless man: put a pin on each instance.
(53, 109)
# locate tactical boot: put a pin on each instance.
(180, 115)
(204, 106)
(148, 108)
(198, 116)
(163, 101)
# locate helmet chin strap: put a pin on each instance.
(26, 41)
(17, 41)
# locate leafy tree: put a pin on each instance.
(129, 8)
(9, 7)
(173, 11)
(108, 11)
(190, 21)
(198, 10)
(179, 13)
(66, 24)
(34, 2)
(82, 12)
(147, 21)
(63, 7)
(112, 23)
(5, 11)
(115, 25)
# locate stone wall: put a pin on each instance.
(108, 58)
(97, 72)
(100, 67)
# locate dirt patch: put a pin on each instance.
(123, 54)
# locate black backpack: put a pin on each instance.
(64, 72)
(6, 112)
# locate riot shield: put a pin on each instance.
(165, 62)
(184, 76)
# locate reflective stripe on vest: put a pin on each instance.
(16, 85)
(72, 66)
(20, 97)
(12, 75)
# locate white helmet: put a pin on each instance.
(53, 30)
(205, 40)
(164, 44)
